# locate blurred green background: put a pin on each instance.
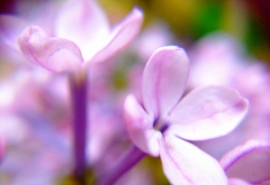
(190, 20)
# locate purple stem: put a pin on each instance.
(125, 163)
(78, 90)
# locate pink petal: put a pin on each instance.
(185, 164)
(164, 80)
(86, 25)
(208, 112)
(250, 162)
(54, 54)
(140, 127)
(220, 55)
(235, 181)
(121, 35)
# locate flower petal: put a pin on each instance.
(220, 55)
(249, 162)
(54, 54)
(86, 25)
(140, 127)
(185, 164)
(208, 112)
(121, 35)
(164, 80)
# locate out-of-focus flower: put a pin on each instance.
(163, 123)
(80, 36)
(152, 37)
(218, 54)
(29, 150)
(33, 104)
(224, 60)
(248, 163)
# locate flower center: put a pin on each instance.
(160, 125)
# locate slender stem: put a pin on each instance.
(125, 163)
(78, 90)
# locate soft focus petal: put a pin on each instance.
(250, 162)
(164, 79)
(220, 55)
(235, 181)
(208, 112)
(121, 35)
(54, 54)
(185, 164)
(140, 127)
(86, 25)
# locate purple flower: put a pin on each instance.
(163, 124)
(79, 36)
(248, 163)
(226, 64)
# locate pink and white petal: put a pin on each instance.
(235, 181)
(249, 162)
(54, 54)
(86, 25)
(122, 34)
(185, 164)
(164, 80)
(208, 112)
(140, 127)
(10, 29)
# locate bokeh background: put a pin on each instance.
(189, 20)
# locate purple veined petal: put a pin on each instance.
(235, 181)
(54, 54)
(140, 127)
(250, 162)
(164, 80)
(208, 112)
(10, 29)
(122, 34)
(185, 164)
(86, 25)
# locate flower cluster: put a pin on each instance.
(76, 110)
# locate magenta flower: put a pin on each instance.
(248, 163)
(79, 36)
(163, 124)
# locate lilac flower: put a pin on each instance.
(248, 163)
(163, 124)
(219, 54)
(226, 64)
(80, 36)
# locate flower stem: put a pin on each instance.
(125, 163)
(78, 90)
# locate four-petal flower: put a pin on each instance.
(163, 124)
